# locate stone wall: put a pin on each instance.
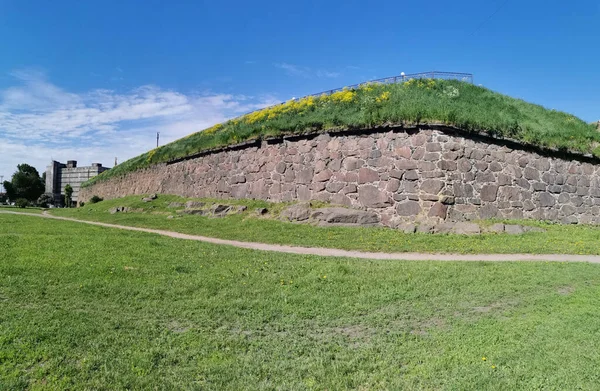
(403, 175)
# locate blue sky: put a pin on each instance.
(92, 81)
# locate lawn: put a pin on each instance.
(426, 101)
(29, 209)
(561, 239)
(85, 307)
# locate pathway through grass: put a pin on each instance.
(90, 307)
(559, 239)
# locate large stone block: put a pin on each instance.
(488, 193)
(432, 186)
(367, 175)
(372, 197)
(408, 208)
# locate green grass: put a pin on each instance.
(86, 307)
(450, 102)
(29, 209)
(562, 239)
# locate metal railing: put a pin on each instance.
(466, 77)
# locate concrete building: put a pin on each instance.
(59, 175)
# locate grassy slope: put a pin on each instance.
(425, 101)
(94, 308)
(557, 238)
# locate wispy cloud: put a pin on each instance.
(40, 121)
(306, 72)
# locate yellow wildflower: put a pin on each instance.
(383, 97)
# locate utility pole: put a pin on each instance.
(2, 183)
(157, 138)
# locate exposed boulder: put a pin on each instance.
(200, 212)
(220, 210)
(193, 204)
(261, 211)
(464, 228)
(298, 212)
(345, 216)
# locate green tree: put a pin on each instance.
(25, 183)
(68, 195)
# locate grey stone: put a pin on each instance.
(194, 204)
(298, 212)
(465, 228)
(280, 167)
(175, 205)
(324, 175)
(220, 210)
(411, 175)
(554, 189)
(406, 165)
(496, 228)
(524, 183)
(367, 175)
(261, 211)
(433, 147)
(199, 212)
(334, 187)
(431, 156)
(546, 199)
(447, 199)
(531, 173)
(464, 165)
(448, 165)
(488, 211)
(438, 210)
(488, 193)
(372, 197)
(444, 228)
(425, 228)
(352, 164)
(407, 228)
(350, 188)
(345, 216)
(305, 176)
(396, 174)
(485, 177)
(432, 186)
(393, 185)
(462, 190)
(408, 208)
(237, 179)
(495, 167)
(512, 229)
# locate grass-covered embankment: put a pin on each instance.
(449, 102)
(86, 307)
(560, 239)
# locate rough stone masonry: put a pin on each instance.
(404, 175)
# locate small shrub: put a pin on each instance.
(22, 203)
(95, 199)
(44, 200)
(81, 204)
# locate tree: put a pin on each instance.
(25, 183)
(68, 195)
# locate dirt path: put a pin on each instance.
(332, 252)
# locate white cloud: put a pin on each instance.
(39, 121)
